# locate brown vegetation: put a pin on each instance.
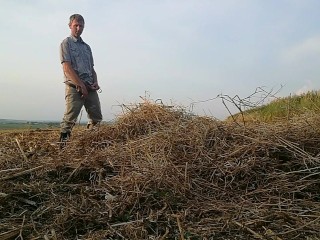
(159, 173)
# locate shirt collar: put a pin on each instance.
(76, 39)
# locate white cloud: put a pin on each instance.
(307, 50)
(303, 90)
(306, 88)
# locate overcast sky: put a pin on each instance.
(180, 51)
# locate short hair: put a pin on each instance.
(77, 17)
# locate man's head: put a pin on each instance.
(76, 24)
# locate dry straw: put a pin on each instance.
(161, 173)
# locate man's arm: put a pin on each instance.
(71, 74)
(95, 85)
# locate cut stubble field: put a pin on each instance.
(161, 173)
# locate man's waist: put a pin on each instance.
(87, 81)
(71, 84)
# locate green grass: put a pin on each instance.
(285, 108)
(14, 126)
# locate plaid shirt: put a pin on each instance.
(79, 54)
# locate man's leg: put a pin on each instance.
(93, 108)
(74, 103)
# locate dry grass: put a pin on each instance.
(159, 173)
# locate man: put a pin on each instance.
(80, 79)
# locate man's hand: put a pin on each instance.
(95, 86)
(82, 89)
(71, 74)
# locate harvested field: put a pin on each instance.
(159, 173)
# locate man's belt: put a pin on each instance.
(74, 86)
(71, 85)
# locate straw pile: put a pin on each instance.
(160, 173)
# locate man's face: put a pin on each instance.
(76, 28)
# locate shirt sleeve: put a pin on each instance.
(91, 55)
(64, 52)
